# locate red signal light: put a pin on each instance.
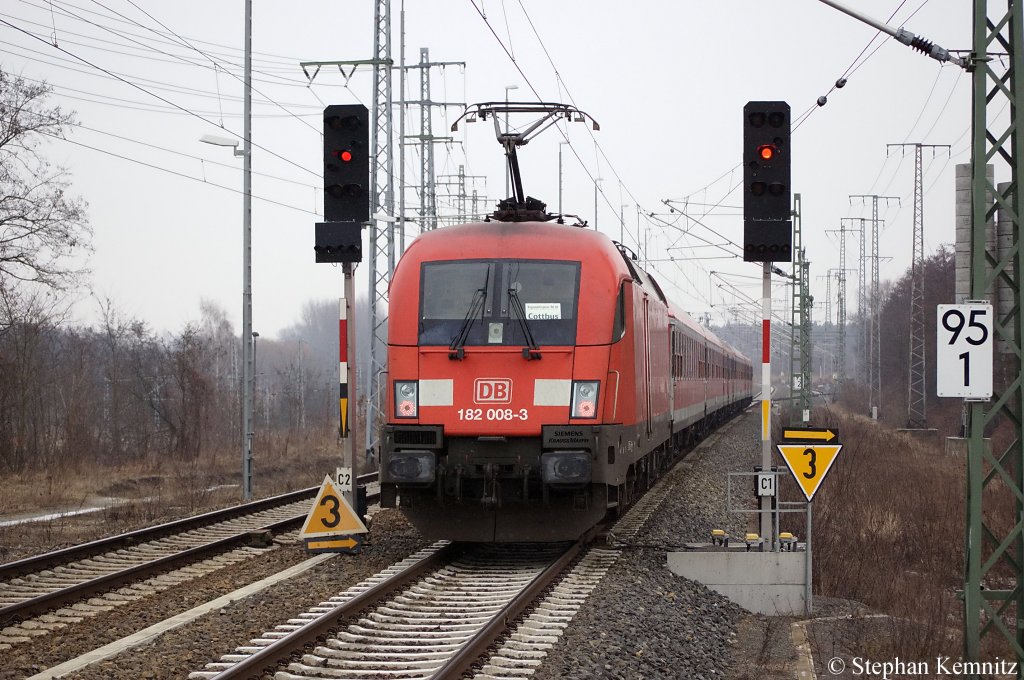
(346, 155)
(766, 152)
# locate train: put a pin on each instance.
(538, 381)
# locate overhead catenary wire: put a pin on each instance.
(178, 174)
(213, 61)
(61, 63)
(156, 96)
(599, 151)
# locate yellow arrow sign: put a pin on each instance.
(348, 544)
(809, 433)
(331, 515)
(809, 463)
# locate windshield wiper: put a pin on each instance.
(457, 347)
(531, 351)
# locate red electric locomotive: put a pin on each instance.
(537, 380)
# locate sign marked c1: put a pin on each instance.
(331, 515)
(810, 433)
(809, 463)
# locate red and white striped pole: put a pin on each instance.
(343, 366)
(767, 533)
(347, 374)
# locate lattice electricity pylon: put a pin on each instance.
(428, 200)
(841, 323)
(917, 412)
(464, 210)
(428, 183)
(828, 298)
(875, 301)
(841, 309)
(382, 240)
(800, 360)
(862, 267)
(994, 554)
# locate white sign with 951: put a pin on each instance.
(963, 354)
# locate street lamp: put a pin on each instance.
(217, 140)
(248, 336)
(507, 88)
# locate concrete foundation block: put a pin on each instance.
(761, 582)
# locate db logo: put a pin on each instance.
(492, 391)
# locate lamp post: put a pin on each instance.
(507, 88)
(255, 335)
(560, 145)
(247, 335)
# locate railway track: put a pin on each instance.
(447, 610)
(41, 594)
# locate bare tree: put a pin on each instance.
(40, 224)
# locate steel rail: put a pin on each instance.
(277, 652)
(463, 660)
(44, 603)
(85, 550)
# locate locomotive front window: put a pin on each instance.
(494, 302)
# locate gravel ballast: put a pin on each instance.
(183, 650)
(643, 621)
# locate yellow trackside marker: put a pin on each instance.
(809, 463)
(344, 417)
(766, 412)
(331, 515)
(810, 433)
(348, 544)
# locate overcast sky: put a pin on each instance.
(667, 82)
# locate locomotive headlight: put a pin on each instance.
(584, 399)
(411, 467)
(407, 402)
(565, 467)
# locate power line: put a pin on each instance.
(155, 96)
(212, 60)
(177, 174)
(154, 84)
(284, 61)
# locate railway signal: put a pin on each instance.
(767, 194)
(346, 163)
(346, 184)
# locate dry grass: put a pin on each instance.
(888, 532)
(142, 494)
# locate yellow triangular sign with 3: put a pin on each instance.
(331, 515)
(809, 463)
